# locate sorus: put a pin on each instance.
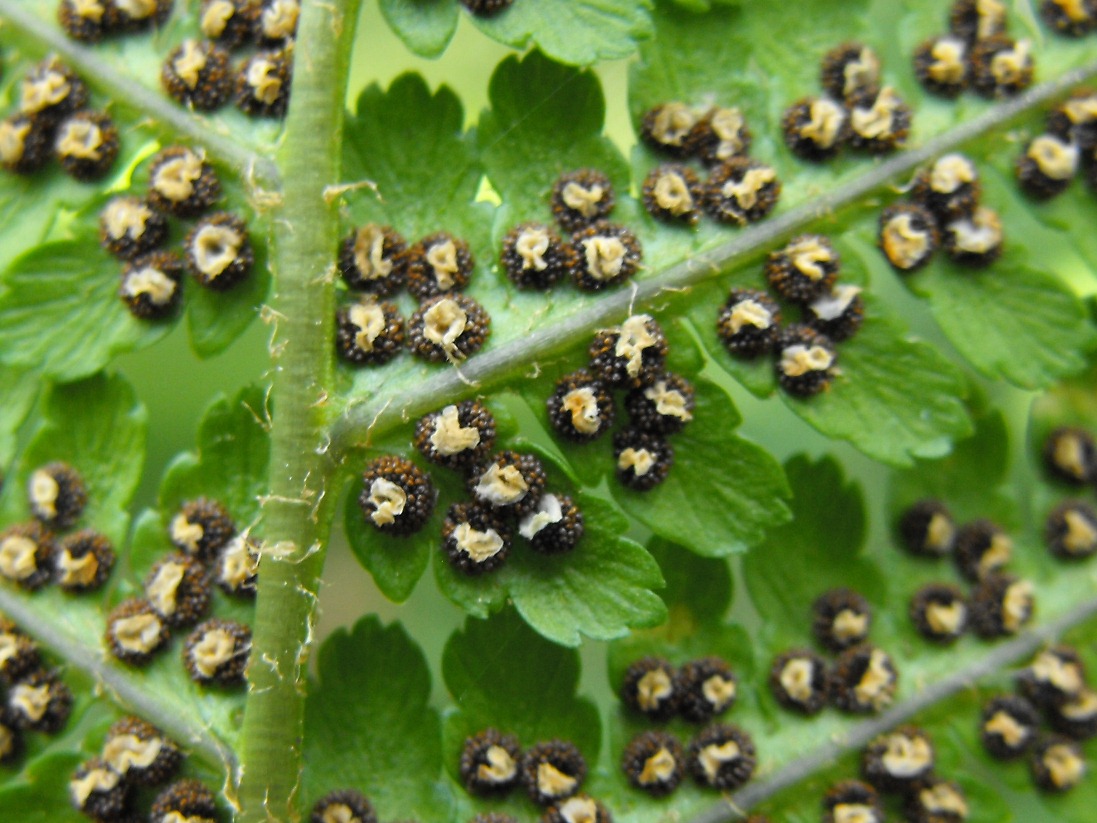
(748, 323)
(458, 437)
(897, 760)
(448, 327)
(397, 496)
(580, 407)
(438, 263)
(941, 65)
(940, 612)
(196, 74)
(151, 286)
(849, 71)
(83, 561)
(581, 198)
(86, 145)
(552, 771)
(720, 135)
(368, 332)
(654, 762)
(815, 128)
(741, 191)
(805, 269)
(927, 528)
(489, 762)
(722, 756)
(534, 256)
(605, 254)
(371, 258)
(217, 652)
(344, 805)
(56, 494)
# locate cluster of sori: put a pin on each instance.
(507, 488)
(977, 53)
(53, 121)
(178, 593)
(199, 73)
(486, 8)
(1070, 457)
(216, 251)
(900, 762)
(862, 680)
(738, 190)
(1050, 161)
(551, 772)
(599, 254)
(32, 697)
(376, 261)
(854, 109)
(32, 554)
(804, 273)
(1053, 685)
(134, 754)
(720, 755)
(91, 20)
(630, 358)
(945, 209)
(999, 604)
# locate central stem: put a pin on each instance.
(297, 512)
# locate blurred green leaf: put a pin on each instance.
(580, 32)
(20, 391)
(1011, 322)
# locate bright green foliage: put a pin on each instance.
(580, 32)
(759, 514)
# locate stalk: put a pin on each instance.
(297, 512)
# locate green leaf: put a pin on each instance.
(526, 148)
(425, 26)
(98, 427)
(60, 312)
(369, 723)
(20, 392)
(820, 549)
(697, 596)
(741, 488)
(216, 318)
(231, 462)
(500, 673)
(580, 32)
(894, 399)
(705, 5)
(410, 147)
(1010, 321)
(396, 563)
(601, 589)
